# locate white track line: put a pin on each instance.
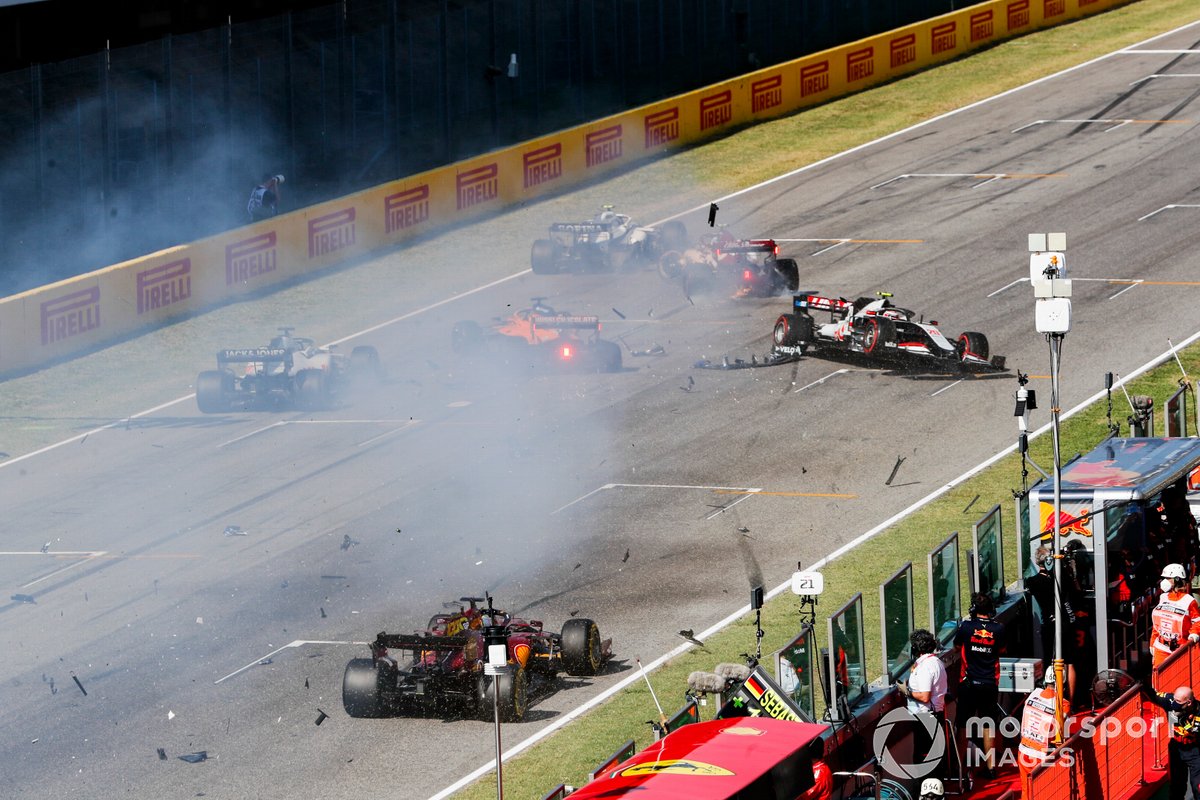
(583, 708)
(821, 380)
(255, 432)
(1008, 286)
(947, 388)
(409, 424)
(297, 643)
(1165, 75)
(90, 557)
(606, 486)
(1126, 289)
(830, 247)
(749, 493)
(1167, 208)
(1130, 52)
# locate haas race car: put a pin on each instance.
(289, 370)
(440, 669)
(539, 337)
(722, 257)
(606, 242)
(879, 331)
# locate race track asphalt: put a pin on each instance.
(451, 477)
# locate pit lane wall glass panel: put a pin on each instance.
(794, 670)
(896, 612)
(82, 313)
(847, 652)
(988, 540)
(945, 599)
(1177, 418)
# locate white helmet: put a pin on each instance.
(1174, 571)
(932, 787)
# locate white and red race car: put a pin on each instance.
(876, 330)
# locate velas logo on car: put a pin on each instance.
(766, 93)
(891, 733)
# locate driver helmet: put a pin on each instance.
(932, 787)
(1174, 571)
(608, 217)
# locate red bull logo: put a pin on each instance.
(1054, 8)
(981, 25)
(250, 258)
(70, 315)
(331, 232)
(543, 164)
(406, 209)
(766, 93)
(814, 78)
(716, 109)
(603, 145)
(860, 64)
(662, 127)
(943, 38)
(1018, 14)
(1068, 524)
(904, 50)
(477, 186)
(163, 285)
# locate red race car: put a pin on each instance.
(440, 669)
(721, 257)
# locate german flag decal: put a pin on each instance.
(674, 766)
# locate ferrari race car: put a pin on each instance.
(540, 338)
(879, 331)
(721, 256)
(606, 242)
(440, 669)
(290, 370)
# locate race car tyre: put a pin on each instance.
(608, 356)
(674, 235)
(670, 265)
(581, 654)
(514, 693)
(361, 684)
(313, 389)
(213, 391)
(788, 272)
(466, 338)
(972, 343)
(792, 330)
(364, 361)
(875, 333)
(543, 257)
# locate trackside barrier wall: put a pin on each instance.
(81, 313)
(1100, 766)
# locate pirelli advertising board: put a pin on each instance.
(73, 316)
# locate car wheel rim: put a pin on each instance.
(780, 333)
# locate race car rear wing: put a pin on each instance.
(751, 246)
(582, 228)
(247, 355)
(420, 641)
(561, 322)
(835, 306)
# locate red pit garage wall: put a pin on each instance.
(79, 314)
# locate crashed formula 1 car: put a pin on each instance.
(722, 257)
(440, 669)
(878, 331)
(290, 370)
(606, 242)
(539, 337)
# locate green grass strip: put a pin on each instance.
(772, 148)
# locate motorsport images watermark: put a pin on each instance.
(896, 755)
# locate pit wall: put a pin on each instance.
(79, 314)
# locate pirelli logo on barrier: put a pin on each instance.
(662, 127)
(406, 209)
(1054, 8)
(477, 186)
(250, 258)
(604, 145)
(716, 109)
(70, 315)
(904, 50)
(814, 78)
(542, 165)
(331, 232)
(981, 25)
(164, 285)
(860, 64)
(1018, 14)
(766, 93)
(943, 38)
